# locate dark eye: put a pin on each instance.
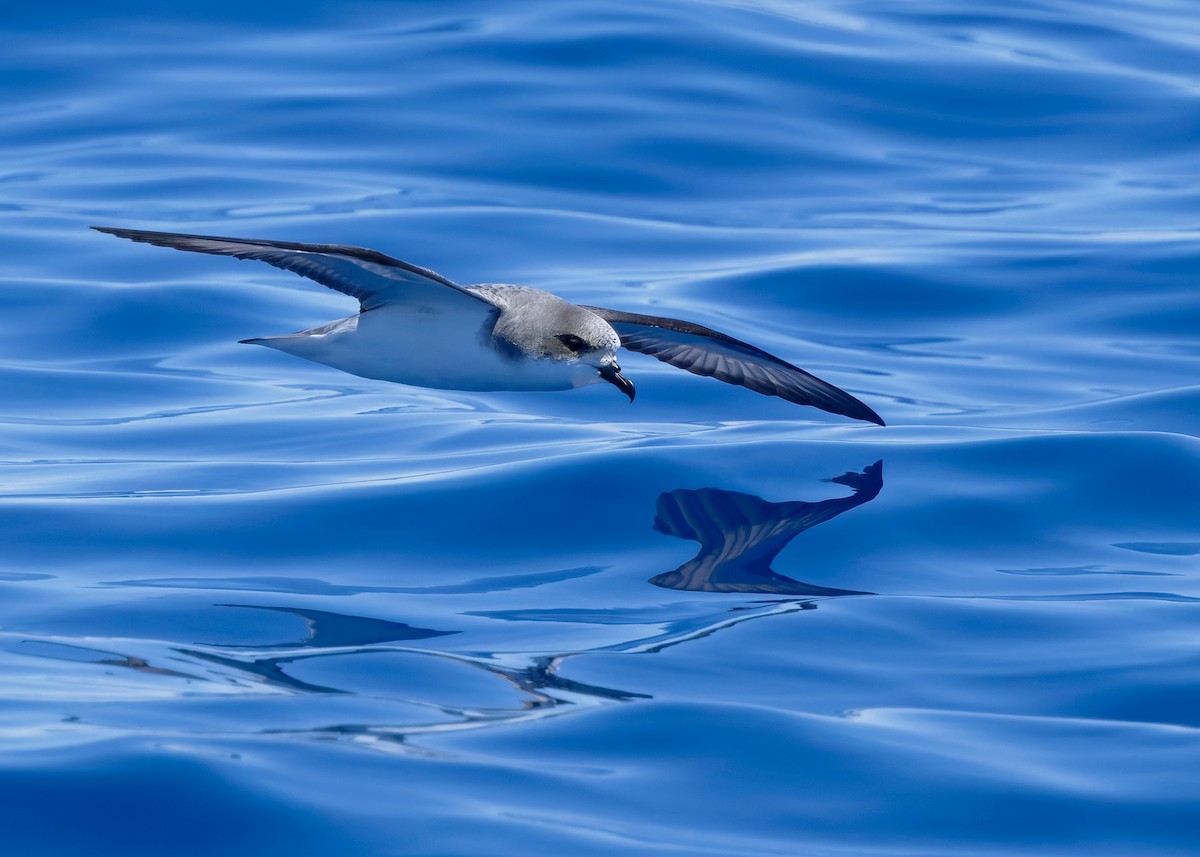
(572, 341)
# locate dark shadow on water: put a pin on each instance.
(268, 670)
(339, 634)
(332, 630)
(81, 654)
(740, 535)
(327, 633)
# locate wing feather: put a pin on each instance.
(703, 351)
(374, 278)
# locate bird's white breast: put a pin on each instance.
(430, 347)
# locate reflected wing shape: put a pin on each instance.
(374, 278)
(740, 535)
(703, 351)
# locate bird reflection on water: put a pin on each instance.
(739, 535)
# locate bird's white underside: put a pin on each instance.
(444, 344)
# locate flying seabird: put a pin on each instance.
(414, 326)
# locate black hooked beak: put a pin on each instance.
(612, 374)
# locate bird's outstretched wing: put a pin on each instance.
(703, 351)
(375, 278)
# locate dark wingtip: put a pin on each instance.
(858, 411)
(132, 234)
(848, 407)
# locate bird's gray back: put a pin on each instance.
(532, 321)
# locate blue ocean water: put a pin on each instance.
(250, 605)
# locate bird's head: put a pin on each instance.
(590, 340)
(547, 329)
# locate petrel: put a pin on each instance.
(416, 327)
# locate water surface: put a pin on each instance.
(252, 605)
